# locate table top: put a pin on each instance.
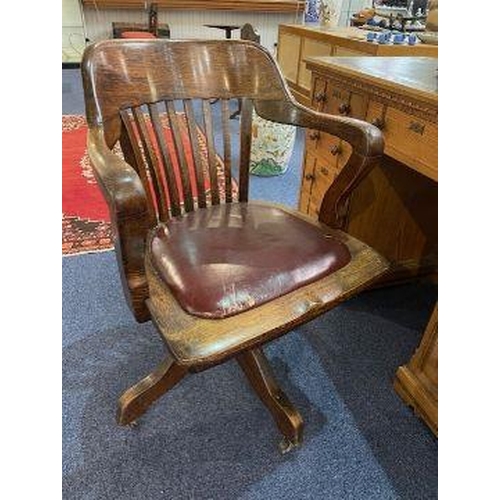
(416, 76)
(223, 26)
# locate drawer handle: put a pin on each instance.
(320, 97)
(336, 150)
(379, 123)
(309, 177)
(417, 127)
(324, 170)
(344, 108)
(314, 135)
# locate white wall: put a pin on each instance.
(189, 24)
(350, 7)
(95, 23)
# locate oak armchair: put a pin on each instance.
(219, 275)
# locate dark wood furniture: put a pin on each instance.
(227, 28)
(248, 32)
(219, 276)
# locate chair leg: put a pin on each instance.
(258, 371)
(237, 112)
(134, 402)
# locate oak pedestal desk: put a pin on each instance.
(395, 208)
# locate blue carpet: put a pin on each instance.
(210, 437)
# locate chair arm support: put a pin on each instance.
(366, 140)
(130, 217)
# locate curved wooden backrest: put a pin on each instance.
(128, 73)
(137, 89)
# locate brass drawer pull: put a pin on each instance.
(324, 171)
(309, 177)
(379, 123)
(417, 127)
(314, 135)
(336, 150)
(344, 108)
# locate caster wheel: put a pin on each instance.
(133, 424)
(285, 445)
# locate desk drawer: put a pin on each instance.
(343, 52)
(340, 101)
(408, 138)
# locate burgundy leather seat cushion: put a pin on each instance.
(226, 259)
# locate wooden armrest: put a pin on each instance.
(130, 217)
(367, 148)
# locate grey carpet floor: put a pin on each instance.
(210, 437)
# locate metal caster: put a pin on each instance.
(133, 424)
(286, 445)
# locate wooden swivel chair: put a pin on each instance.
(219, 276)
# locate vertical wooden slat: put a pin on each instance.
(212, 158)
(130, 148)
(245, 147)
(173, 195)
(227, 148)
(152, 160)
(181, 156)
(195, 151)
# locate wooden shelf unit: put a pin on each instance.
(230, 5)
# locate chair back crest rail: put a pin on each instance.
(152, 99)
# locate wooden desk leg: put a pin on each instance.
(417, 381)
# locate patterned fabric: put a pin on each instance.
(86, 224)
(272, 147)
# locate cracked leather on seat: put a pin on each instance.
(225, 259)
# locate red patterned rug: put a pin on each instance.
(86, 224)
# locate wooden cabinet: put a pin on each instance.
(417, 381)
(296, 43)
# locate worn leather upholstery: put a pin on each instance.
(226, 259)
